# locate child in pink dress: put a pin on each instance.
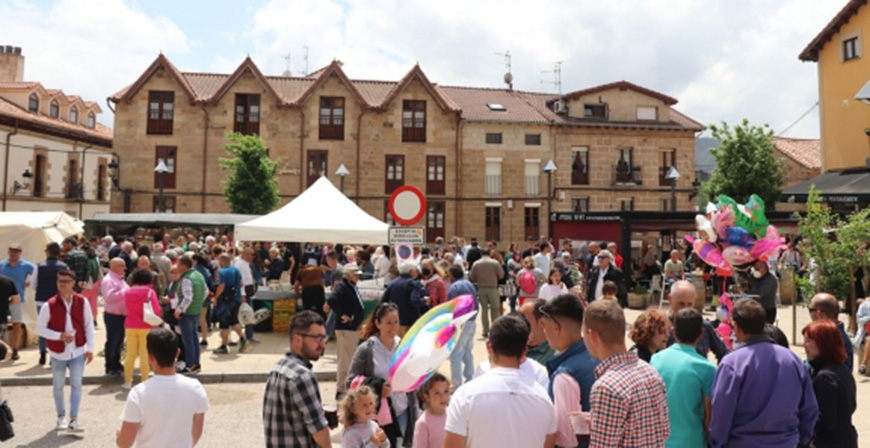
(433, 396)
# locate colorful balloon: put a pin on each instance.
(722, 219)
(428, 343)
(736, 256)
(705, 228)
(737, 236)
(708, 252)
(769, 246)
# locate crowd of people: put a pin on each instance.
(558, 373)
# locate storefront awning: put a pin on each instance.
(846, 186)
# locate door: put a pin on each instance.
(317, 164)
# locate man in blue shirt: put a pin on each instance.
(688, 377)
(762, 392)
(825, 306)
(18, 269)
(460, 286)
(228, 301)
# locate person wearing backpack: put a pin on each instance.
(529, 280)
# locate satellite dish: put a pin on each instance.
(508, 78)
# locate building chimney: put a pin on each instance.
(11, 64)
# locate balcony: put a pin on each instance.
(493, 184)
(627, 175)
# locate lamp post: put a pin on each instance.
(341, 172)
(549, 168)
(161, 169)
(673, 175)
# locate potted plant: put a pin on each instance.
(638, 297)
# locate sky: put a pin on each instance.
(722, 59)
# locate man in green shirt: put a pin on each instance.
(539, 348)
(192, 293)
(688, 377)
(674, 268)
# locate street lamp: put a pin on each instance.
(673, 175)
(549, 168)
(16, 186)
(160, 169)
(341, 172)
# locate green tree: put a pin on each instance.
(251, 187)
(746, 164)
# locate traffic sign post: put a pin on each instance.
(407, 205)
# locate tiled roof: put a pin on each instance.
(684, 120)
(805, 151)
(11, 110)
(29, 85)
(811, 52)
(623, 85)
(473, 103)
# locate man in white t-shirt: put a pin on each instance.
(168, 409)
(508, 408)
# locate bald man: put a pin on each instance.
(826, 306)
(114, 312)
(682, 296)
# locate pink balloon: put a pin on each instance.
(769, 246)
(722, 219)
(736, 255)
(710, 254)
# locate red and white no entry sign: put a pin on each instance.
(407, 205)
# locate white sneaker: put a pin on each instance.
(180, 365)
(61, 423)
(127, 386)
(75, 426)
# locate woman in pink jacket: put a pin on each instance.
(135, 327)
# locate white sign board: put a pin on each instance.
(414, 236)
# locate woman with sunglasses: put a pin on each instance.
(372, 360)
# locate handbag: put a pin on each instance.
(148, 314)
(6, 420)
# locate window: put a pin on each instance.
(435, 183)
(595, 111)
(580, 166)
(496, 107)
(395, 175)
(169, 155)
(92, 120)
(168, 204)
(580, 205)
(625, 205)
(317, 165)
(665, 204)
(33, 103)
(850, 49)
(388, 218)
(668, 159)
(101, 183)
(533, 139)
(493, 177)
(493, 138)
(331, 118)
(247, 114)
(625, 168)
(73, 115)
(435, 220)
(413, 121)
(493, 223)
(72, 182)
(161, 112)
(532, 222)
(39, 183)
(533, 177)
(647, 113)
(54, 109)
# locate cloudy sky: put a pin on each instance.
(722, 59)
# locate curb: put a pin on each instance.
(204, 378)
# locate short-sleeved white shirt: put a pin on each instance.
(504, 408)
(164, 407)
(530, 367)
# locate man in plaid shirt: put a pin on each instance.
(77, 262)
(292, 412)
(629, 405)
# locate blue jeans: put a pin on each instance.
(76, 368)
(188, 325)
(249, 332)
(462, 354)
(41, 340)
(114, 341)
(330, 324)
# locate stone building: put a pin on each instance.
(56, 155)
(803, 161)
(476, 153)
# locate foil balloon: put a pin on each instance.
(709, 253)
(750, 216)
(722, 219)
(737, 236)
(429, 342)
(736, 255)
(769, 246)
(705, 228)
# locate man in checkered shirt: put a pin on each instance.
(292, 412)
(629, 406)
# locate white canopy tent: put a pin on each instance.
(320, 214)
(33, 231)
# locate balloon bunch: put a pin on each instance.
(733, 235)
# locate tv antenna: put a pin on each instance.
(557, 76)
(287, 71)
(508, 76)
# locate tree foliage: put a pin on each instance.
(746, 164)
(251, 187)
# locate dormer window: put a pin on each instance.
(595, 111)
(54, 109)
(73, 115)
(496, 107)
(92, 120)
(33, 104)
